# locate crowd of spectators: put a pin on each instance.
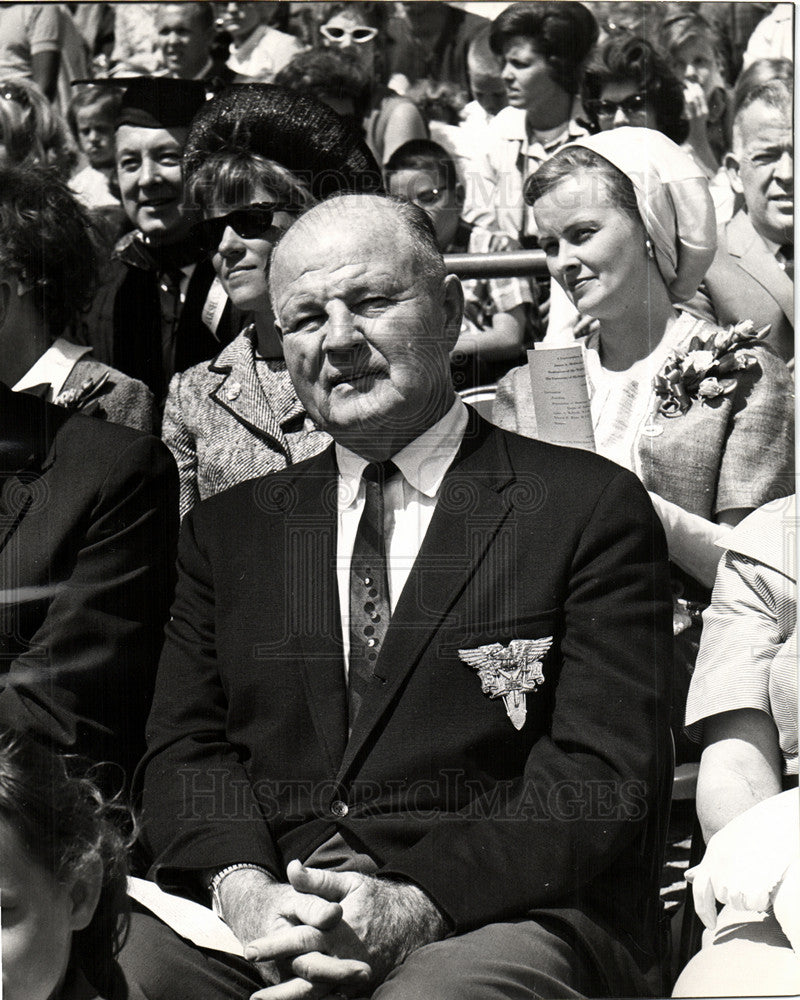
(152, 157)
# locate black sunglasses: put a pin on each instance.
(249, 223)
(632, 105)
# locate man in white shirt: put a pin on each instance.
(430, 664)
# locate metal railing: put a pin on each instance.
(508, 264)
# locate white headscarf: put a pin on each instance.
(672, 197)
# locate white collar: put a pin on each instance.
(509, 123)
(245, 50)
(53, 366)
(423, 462)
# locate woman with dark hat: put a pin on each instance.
(255, 157)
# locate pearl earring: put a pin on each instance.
(650, 251)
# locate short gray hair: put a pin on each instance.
(775, 93)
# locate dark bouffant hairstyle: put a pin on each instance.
(64, 823)
(322, 73)
(47, 240)
(562, 31)
(327, 153)
(623, 58)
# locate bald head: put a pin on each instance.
(368, 318)
(379, 217)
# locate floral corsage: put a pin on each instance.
(703, 371)
(88, 393)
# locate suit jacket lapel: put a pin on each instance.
(320, 630)
(747, 247)
(446, 563)
(240, 393)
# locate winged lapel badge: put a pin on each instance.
(510, 672)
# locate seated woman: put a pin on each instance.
(743, 707)
(49, 261)
(62, 878)
(389, 120)
(703, 416)
(626, 82)
(255, 156)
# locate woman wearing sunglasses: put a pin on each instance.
(360, 28)
(629, 83)
(256, 156)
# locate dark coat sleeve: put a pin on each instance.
(190, 759)
(86, 675)
(592, 782)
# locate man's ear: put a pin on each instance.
(731, 164)
(453, 309)
(84, 892)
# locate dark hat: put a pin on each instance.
(155, 101)
(293, 129)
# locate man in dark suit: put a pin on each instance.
(753, 270)
(474, 791)
(88, 526)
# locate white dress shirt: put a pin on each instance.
(53, 366)
(409, 501)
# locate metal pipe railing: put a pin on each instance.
(508, 264)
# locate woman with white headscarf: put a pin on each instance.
(703, 416)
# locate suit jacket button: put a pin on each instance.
(339, 808)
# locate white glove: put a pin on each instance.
(747, 860)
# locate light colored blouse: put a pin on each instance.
(736, 451)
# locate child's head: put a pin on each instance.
(62, 872)
(92, 116)
(484, 72)
(423, 172)
(693, 47)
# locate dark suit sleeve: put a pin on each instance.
(591, 782)
(86, 678)
(199, 807)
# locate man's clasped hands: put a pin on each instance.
(326, 932)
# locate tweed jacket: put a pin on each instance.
(120, 400)
(88, 527)
(732, 452)
(235, 418)
(249, 754)
(745, 281)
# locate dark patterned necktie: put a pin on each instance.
(369, 587)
